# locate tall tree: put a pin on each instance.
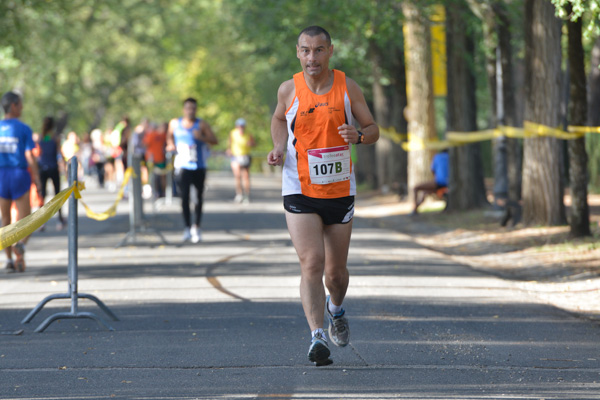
(542, 189)
(420, 115)
(593, 141)
(389, 96)
(508, 116)
(580, 212)
(497, 36)
(467, 189)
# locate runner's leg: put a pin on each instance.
(235, 168)
(23, 209)
(245, 172)
(55, 176)
(199, 178)
(5, 205)
(183, 184)
(306, 231)
(422, 190)
(337, 243)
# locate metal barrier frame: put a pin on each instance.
(73, 274)
(136, 209)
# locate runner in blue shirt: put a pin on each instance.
(16, 143)
(190, 137)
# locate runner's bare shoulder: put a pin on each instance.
(286, 93)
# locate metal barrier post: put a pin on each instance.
(73, 275)
(136, 205)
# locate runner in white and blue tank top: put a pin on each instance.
(189, 137)
(190, 151)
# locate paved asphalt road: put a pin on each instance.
(223, 320)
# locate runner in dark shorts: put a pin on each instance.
(331, 211)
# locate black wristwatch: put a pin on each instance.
(361, 137)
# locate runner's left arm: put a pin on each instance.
(206, 134)
(360, 111)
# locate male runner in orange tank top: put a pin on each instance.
(314, 117)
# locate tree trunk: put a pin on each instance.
(388, 103)
(467, 189)
(593, 141)
(542, 195)
(509, 116)
(420, 113)
(594, 103)
(580, 213)
(381, 109)
(400, 101)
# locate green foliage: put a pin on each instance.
(575, 9)
(98, 60)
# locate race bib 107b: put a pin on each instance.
(329, 165)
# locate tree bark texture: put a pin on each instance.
(420, 115)
(593, 140)
(542, 194)
(580, 213)
(594, 81)
(388, 103)
(509, 117)
(466, 181)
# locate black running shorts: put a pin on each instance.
(331, 211)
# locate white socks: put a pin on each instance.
(319, 330)
(333, 309)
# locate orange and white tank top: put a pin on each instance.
(317, 162)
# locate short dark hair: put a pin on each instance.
(8, 99)
(315, 30)
(47, 125)
(190, 100)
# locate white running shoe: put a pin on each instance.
(187, 235)
(319, 351)
(238, 198)
(339, 331)
(196, 234)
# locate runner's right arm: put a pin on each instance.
(279, 132)
(170, 141)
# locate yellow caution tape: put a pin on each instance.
(112, 210)
(471, 137)
(415, 143)
(12, 233)
(511, 132)
(584, 129)
(530, 130)
(160, 171)
(391, 133)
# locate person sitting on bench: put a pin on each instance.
(440, 168)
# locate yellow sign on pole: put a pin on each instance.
(438, 51)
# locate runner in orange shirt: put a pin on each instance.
(155, 141)
(314, 116)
